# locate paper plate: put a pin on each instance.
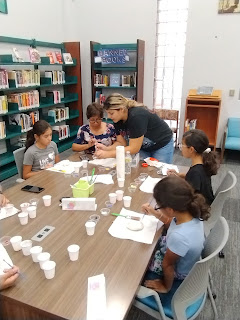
(134, 225)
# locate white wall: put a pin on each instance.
(109, 21)
(212, 56)
(42, 20)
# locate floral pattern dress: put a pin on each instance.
(107, 138)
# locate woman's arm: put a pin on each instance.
(110, 152)
(83, 147)
(27, 171)
(164, 285)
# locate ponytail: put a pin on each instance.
(198, 207)
(211, 162)
(38, 128)
(176, 193)
(30, 139)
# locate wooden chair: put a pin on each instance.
(170, 115)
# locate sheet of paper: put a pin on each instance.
(4, 214)
(96, 298)
(110, 162)
(87, 204)
(119, 229)
(149, 184)
(4, 256)
(65, 166)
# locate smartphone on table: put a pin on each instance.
(34, 189)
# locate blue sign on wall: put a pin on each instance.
(113, 56)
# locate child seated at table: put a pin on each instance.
(181, 248)
(204, 162)
(96, 131)
(41, 152)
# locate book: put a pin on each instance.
(205, 91)
(34, 55)
(67, 58)
(114, 79)
(49, 54)
(16, 56)
(58, 56)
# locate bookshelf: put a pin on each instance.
(206, 110)
(131, 71)
(71, 96)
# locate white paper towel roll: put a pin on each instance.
(120, 157)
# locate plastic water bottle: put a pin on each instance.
(128, 163)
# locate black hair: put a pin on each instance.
(38, 128)
(199, 141)
(94, 109)
(176, 193)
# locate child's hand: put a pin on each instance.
(3, 200)
(172, 171)
(157, 285)
(49, 165)
(9, 277)
(147, 209)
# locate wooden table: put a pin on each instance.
(123, 262)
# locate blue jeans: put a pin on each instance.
(164, 154)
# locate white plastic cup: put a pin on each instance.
(49, 268)
(43, 257)
(16, 243)
(84, 163)
(35, 251)
(127, 201)
(23, 217)
(73, 251)
(76, 170)
(47, 200)
(9, 208)
(24, 206)
(32, 212)
(105, 211)
(112, 197)
(90, 227)
(26, 245)
(119, 194)
(121, 182)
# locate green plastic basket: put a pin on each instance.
(82, 189)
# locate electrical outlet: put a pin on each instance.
(231, 92)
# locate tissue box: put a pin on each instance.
(87, 204)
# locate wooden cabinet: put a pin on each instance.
(132, 67)
(206, 111)
(71, 95)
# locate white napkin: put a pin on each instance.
(109, 162)
(65, 166)
(96, 298)
(101, 178)
(148, 184)
(4, 255)
(3, 213)
(167, 167)
(119, 229)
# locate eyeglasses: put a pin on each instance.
(182, 146)
(96, 120)
(158, 207)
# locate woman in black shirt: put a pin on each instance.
(138, 130)
(204, 162)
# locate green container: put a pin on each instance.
(82, 189)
